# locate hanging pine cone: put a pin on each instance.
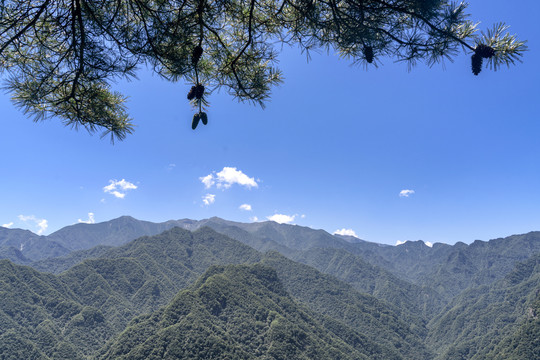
(368, 54)
(476, 63)
(192, 92)
(196, 55)
(204, 118)
(199, 91)
(195, 121)
(484, 51)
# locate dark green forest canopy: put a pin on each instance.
(102, 295)
(94, 301)
(59, 58)
(215, 319)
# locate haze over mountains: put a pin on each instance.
(190, 289)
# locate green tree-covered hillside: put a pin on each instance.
(232, 312)
(80, 309)
(475, 322)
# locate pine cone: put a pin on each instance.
(195, 121)
(204, 118)
(484, 51)
(476, 63)
(196, 55)
(368, 54)
(192, 92)
(199, 91)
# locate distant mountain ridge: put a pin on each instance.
(446, 269)
(115, 232)
(413, 261)
(121, 230)
(24, 244)
(118, 231)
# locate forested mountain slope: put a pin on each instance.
(413, 275)
(445, 268)
(351, 268)
(27, 246)
(13, 254)
(57, 265)
(115, 232)
(411, 301)
(364, 313)
(374, 280)
(84, 306)
(40, 316)
(233, 312)
(475, 322)
(524, 342)
(452, 269)
(449, 269)
(77, 311)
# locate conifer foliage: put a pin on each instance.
(59, 58)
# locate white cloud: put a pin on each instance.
(208, 181)
(428, 243)
(90, 220)
(171, 167)
(400, 242)
(282, 218)
(119, 188)
(41, 224)
(227, 178)
(347, 232)
(245, 207)
(406, 193)
(8, 225)
(254, 219)
(209, 199)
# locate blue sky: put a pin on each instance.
(333, 149)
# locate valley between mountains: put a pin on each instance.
(217, 289)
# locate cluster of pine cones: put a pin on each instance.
(480, 53)
(196, 55)
(368, 54)
(196, 91)
(199, 117)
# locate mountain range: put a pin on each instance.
(213, 288)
